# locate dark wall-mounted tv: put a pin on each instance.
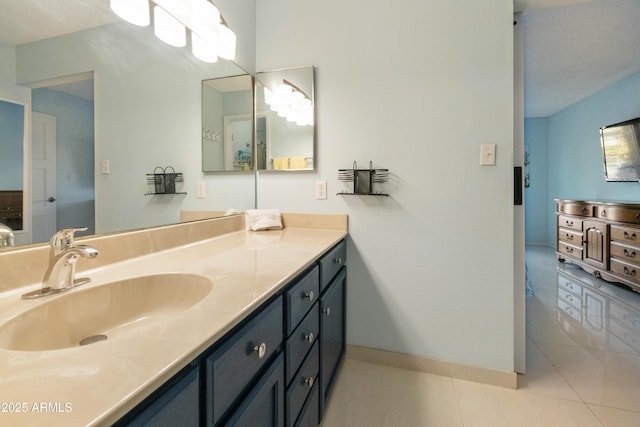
(621, 149)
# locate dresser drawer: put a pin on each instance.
(627, 235)
(628, 271)
(570, 222)
(331, 263)
(576, 208)
(570, 236)
(569, 250)
(301, 297)
(302, 384)
(301, 340)
(619, 213)
(569, 286)
(625, 253)
(231, 368)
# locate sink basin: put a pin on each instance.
(102, 312)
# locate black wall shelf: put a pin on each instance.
(363, 180)
(163, 182)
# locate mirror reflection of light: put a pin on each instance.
(290, 103)
(210, 35)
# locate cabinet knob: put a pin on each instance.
(338, 260)
(327, 311)
(309, 382)
(260, 350)
(309, 337)
(309, 295)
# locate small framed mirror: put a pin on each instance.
(227, 124)
(285, 120)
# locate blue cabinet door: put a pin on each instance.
(264, 405)
(332, 334)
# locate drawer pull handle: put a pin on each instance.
(338, 260)
(628, 254)
(569, 236)
(603, 213)
(629, 272)
(309, 295)
(569, 250)
(631, 236)
(585, 211)
(327, 311)
(569, 223)
(309, 337)
(309, 382)
(260, 350)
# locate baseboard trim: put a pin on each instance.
(433, 366)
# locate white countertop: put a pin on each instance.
(99, 383)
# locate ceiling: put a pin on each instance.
(572, 48)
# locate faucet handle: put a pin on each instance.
(63, 239)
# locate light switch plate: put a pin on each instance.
(488, 154)
(201, 190)
(106, 167)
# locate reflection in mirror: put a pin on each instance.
(147, 114)
(13, 131)
(227, 124)
(285, 140)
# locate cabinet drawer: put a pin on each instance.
(301, 297)
(231, 368)
(570, 236)
(619, 213)
(569, 250)
(626, 235)
(628, 271)
(301, 340)
(570, 222)
(567, 285)
(625, 253)
(302, 383)
(576, 208)
(331, 263)
(309, 415)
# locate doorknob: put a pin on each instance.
(51, 199)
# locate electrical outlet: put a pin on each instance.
(106, 167)
(201, 190)
(321, 190)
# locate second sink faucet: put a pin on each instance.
(60, 275)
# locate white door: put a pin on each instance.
(43, 176)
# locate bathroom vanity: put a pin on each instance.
(264, 344)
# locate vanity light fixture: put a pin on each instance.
(210, 35)
(290, 102)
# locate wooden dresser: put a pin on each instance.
(601, 237)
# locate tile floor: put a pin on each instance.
(583, 367)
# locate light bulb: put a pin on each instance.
(135, 12)
(168, 29)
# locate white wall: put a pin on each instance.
(416, 87)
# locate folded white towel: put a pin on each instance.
(263, 219)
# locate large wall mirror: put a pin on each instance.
(13, 140)
(285, 128)
(127, 101)
(227, 124)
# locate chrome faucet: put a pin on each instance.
(6, 236)
(60, 275)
